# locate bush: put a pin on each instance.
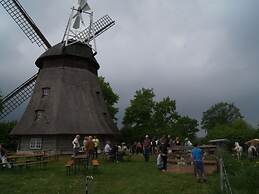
(238, 131)
(9, 142)
(243, 175)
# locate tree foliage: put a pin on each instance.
(220, 114)
(186, 127)
(146, 116)
(238, 130)
(110, 97)
(8, 141)
(165, 114)
(139, 113)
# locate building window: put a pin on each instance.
(35, 143)
(39, 114)
(45, 92)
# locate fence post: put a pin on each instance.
(221, 175)
(88, 179)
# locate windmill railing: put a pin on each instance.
(18, 96)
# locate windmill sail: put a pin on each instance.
(83, 6)
(18, 96)
(100, 26)
(24, 21)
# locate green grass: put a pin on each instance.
(133, 177)
(243, 175)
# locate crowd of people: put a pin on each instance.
(159, 147)
(91, 146)
(116, 152)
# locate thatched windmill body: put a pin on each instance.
(65, 95)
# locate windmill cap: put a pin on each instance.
(77, 50)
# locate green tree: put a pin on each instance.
(165, 115)
(139, 113)
(110, 97)
(219, 114)
(238, 130)
(186, 127)
(137, 119)
(146, 116)
(5, 138)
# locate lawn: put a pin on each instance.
(132, 177)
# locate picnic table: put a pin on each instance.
(27, 160)
(81, 161)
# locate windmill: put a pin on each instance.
(65, 95)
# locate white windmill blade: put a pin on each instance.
(74, 16)
(83, 5)
(81, 19)
(76, 24)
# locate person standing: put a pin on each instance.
(76, 145)
(107, 149)
(146, 148)
(85, 142)
(153, 146)
(89, 150)
(138, 148)
(177, 141)
(96, 146)
(164, 144)
(3, 157)
(197, 157)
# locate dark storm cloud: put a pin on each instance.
(198, 52)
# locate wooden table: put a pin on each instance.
(81, 160)
(27, 160)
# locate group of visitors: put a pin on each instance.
(91, 146)
(115, 152)
(153, 144)
(161, 147)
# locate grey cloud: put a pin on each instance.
(198, 52)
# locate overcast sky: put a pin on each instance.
(198, 52)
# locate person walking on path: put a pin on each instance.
(76, 145)
(197, 157)
(146, 148)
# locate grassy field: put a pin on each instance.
(133, 177)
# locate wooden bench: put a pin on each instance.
(29, 163)
(68, 166)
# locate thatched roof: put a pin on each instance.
(75, 103)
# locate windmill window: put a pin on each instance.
(97, 92)
(39, 114)
(35, 143)
(45, 91)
